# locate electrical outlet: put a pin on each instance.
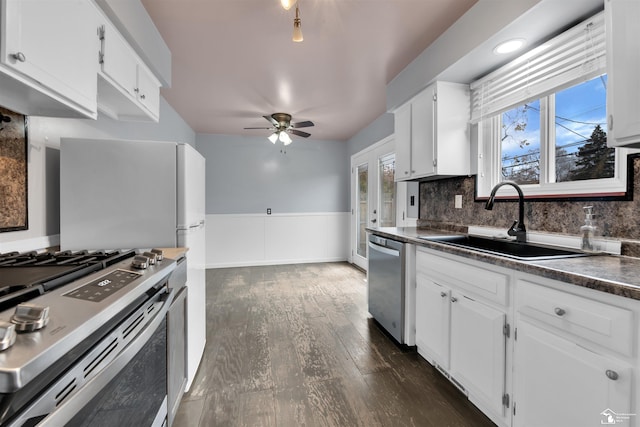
(268, 211)
(458, 201)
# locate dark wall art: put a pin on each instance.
(13, 171)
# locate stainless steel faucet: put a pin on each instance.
(517, 229)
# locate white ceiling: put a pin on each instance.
(233, 61)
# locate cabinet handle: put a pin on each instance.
(406, 172)
(19, 57)
(559, 311)
(136, 90)
(413, 171)
(142, 96)
(443, 294)
(612, 375)
(454, 299)
(373, 221)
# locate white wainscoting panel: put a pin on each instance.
(259, 239)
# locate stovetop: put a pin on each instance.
(24, 276)
(79, 293)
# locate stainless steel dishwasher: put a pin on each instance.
(386, 283)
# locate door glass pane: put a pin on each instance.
(363, 200)
(387, 187)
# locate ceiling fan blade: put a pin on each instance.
(304, 124)
(261, 128)
(271, 120)
(299, 133)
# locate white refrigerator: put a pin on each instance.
(117, 194)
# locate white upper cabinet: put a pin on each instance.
(432, 133)
(48, 58)
(623, 69)
(127, 89)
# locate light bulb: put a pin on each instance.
(273, 137)
(287, 4)
(284, 137)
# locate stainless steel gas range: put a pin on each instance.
(83, 338)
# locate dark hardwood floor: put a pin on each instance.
(295, 346)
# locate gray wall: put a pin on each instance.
(249, 175)
(44, 135)
(377, 130)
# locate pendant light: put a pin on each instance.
(287, 4)
(297, 31)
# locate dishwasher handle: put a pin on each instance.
(384, 250)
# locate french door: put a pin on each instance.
(373, 195)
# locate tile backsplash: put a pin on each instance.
(615, 219)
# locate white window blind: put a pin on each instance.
(576, 55)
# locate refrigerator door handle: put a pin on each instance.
(198, 225)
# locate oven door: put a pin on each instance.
(121, 381)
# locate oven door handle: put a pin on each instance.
(65, 412)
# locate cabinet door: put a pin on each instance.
(119, 61)
(422, 134)
(558, 383)
(478, 349)
(148, 90)
(53, 43)
(623, 67)
(402, 125)
(432, 320)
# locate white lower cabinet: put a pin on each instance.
(432, 321)
(460, 334)
(529, 351)
(478, 350)
(574, 353)
(560, 383)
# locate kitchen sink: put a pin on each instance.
(508, 248)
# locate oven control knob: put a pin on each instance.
(152, 257)
(7, 335)
(140, 262)
(30, 317)
(159, 254)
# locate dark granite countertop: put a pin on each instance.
(613, 274)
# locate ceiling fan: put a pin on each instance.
(282, 127)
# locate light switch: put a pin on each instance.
(458, 201)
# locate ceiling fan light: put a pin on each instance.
(297, 30)
(273, 137)
(287, 4)
(285, 138)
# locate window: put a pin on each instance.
(542, 120)
(576, 142)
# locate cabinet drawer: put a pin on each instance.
(483, 282)
(595, 321)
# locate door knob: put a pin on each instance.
(559, 311)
